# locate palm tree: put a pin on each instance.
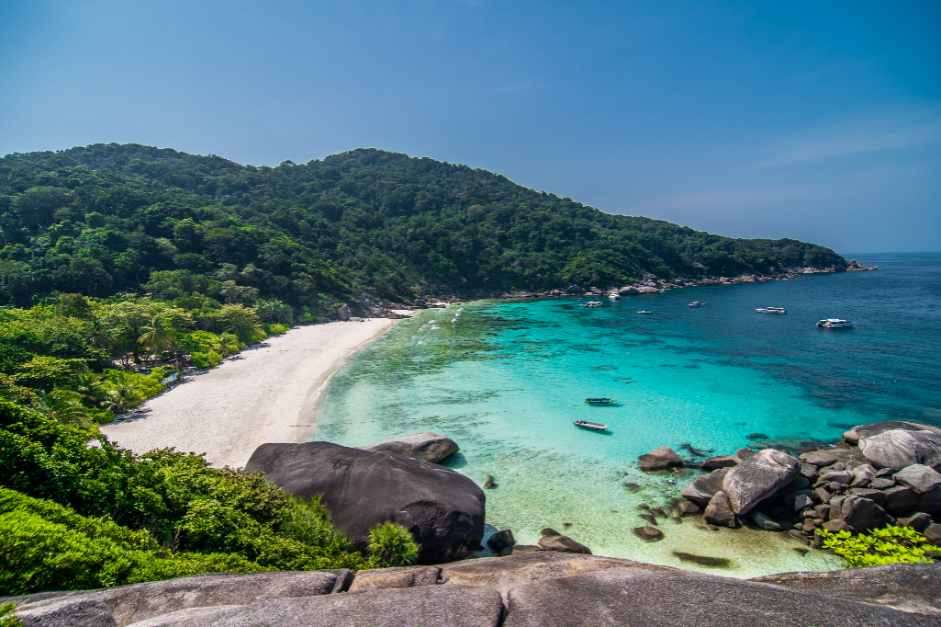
(64, 406)
(89, 387)
(123, 396)
(156, 335)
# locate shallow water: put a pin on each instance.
(506, 379)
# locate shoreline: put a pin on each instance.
(270, 393)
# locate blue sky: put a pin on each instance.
(818, 121)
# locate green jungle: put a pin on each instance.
(116, 261)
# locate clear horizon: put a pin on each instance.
(814, 122)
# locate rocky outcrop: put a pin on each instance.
(704, 487)
(543, 589)
(427, 446)
(663, 458)
(861, 432)
(719, 511)
(919, 478)
(758, 477)
(900, 448)
(442, 509)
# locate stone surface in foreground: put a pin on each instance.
(543, 589)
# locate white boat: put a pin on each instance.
(594, 426)
(772, 310)
(614, 296)
(697, 303)
(835, 323)
(645, 312)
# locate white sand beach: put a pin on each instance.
(269, 394)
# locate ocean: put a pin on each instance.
(506, 379)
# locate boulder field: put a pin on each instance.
(529, 590)
(879, 474)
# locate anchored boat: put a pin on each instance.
(594, 426)
(601, 401)
(591, 303)
(772, 310)
(697, 303)
(835, 323)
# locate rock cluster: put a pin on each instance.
(529, 590)
(883, 473)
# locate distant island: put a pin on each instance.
(109, 219)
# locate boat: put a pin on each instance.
(591, 303)
(645, 312)
(697, 303)
(594, 426)
(614, 296)
(772, 310)
(601, 401)
(835, 323)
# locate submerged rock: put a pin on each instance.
(648, 534)
(720, 461)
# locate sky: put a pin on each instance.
(818, 121)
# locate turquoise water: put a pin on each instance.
(506, 379)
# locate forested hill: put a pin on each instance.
(106, 219)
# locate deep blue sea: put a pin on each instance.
(505, 379)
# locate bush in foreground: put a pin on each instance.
(889, 545)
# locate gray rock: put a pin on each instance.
(919, 522)
(905, 587)
(719, 511)
(658, 511)
(648, 534)
(758, 477)
(721, 461)
(427, 446)
(384, 578)
(854, 435)
(629, 291)
(648, 290)
(687, 508)
(823, 495)
(704, 487)
(563, 544)
(823, 511)
(442, 509)
(765, 522)
(836, 507)
(862, 476)
(933, 534)
(900, 448)
(423, 606)
(72, 611)
(863, 514)
(661, 459)
(810, 472)
(501, 540)
(638, 598)
(900, 499)
(802, 501)
(344, 313)
(836, 526)
(877, 496)
(800, 483)
(744, 453)
(818, 458)
(140, 602)
(930, 501)
(840, 477)
(919, 478)
(650, 519)
(881, 483)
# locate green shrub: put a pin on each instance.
(6, 616)
(391, 544)
(44, 546)
(205, 360)
(272, 328)
(889, 545)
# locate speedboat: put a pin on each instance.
(697, 303)
(601, 401)
(835, 323)
(614, 296)
(645, 312)
(591, 303)
(774, 310)
(594, 426)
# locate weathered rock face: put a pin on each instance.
(344, 313)
(427, 446)
(721, 461)
(563, 544)
(919, 478)
(908, 587)
(854, 435)
(661, 459)
(443, 509)
(900, 448)
(704, 487)
(629, 291)
(757, 477)
(862, 514)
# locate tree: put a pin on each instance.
(64, 406)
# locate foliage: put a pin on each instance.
(105, 219)
(208, 359)
(889, 545)
(6, 616)
(391, 544)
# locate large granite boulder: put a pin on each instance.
(906, 587)
(663, 458)
(930, 501)
(719, 511)
(629, 291)
(860, 513)
(704, 487)
(640, 598)
(919, 478)
(427, 446)
(444, 510)
(861, 432)
(900, 448)
(757, 477)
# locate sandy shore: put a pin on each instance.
(269, 394)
